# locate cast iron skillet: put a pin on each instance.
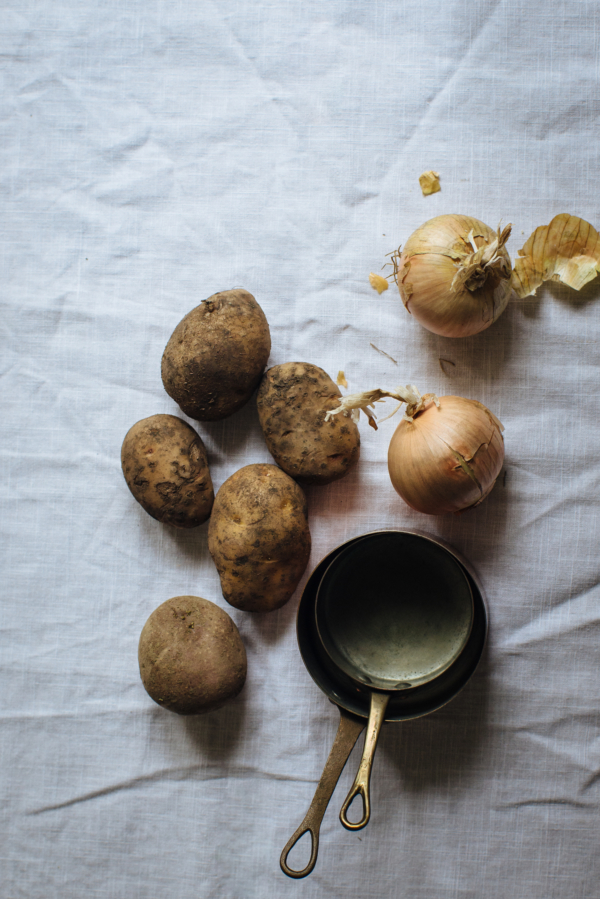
(353, 700)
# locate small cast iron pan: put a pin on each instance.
(353, 699)
(394, 611)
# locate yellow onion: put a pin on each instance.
(454, 275)
(446, 453)
(448, 457)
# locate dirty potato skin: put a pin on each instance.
(165, 466)
(258, 537)
(216, 355)
(292, 401)
(192, 659)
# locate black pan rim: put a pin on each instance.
(422, 700)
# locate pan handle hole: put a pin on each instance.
(292, 854)
(353, 808)
(299, 855)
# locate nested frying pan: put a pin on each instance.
(393, 612)
(354, 698)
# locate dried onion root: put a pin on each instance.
(566, 250)
(446, 453)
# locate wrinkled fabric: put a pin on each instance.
(154, 153)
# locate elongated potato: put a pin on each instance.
(165, 466)
(191, 656)
(292, 401)
(216, 355)
(258, 537)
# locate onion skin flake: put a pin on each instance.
(430, 183)
(566, 250)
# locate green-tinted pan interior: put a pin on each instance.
(394, 611)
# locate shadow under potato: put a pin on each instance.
(216, 734)
(231, 435)
(340, 498)
(191, 542)
(272, 626)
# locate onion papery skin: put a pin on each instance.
(448, 458)
(426, 268)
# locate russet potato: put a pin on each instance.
(292, 401)
(258, 537)
(165, 465)
(191, 656)
(216, 355)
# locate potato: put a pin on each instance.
(216, 355)
(165, 466)
(292, 401)
(258, 537)
(192, 659)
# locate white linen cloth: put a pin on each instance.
(151, 154)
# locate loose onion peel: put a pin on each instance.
(430, 182)
(378, 282)
(566, 250)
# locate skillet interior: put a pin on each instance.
(394, 610)
(405, 704)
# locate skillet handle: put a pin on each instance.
(348, 731)
(360, 786)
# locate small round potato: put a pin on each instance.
(292, 401)
(192, 659)
(216, 355)
(258, 537)
(165, 466)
